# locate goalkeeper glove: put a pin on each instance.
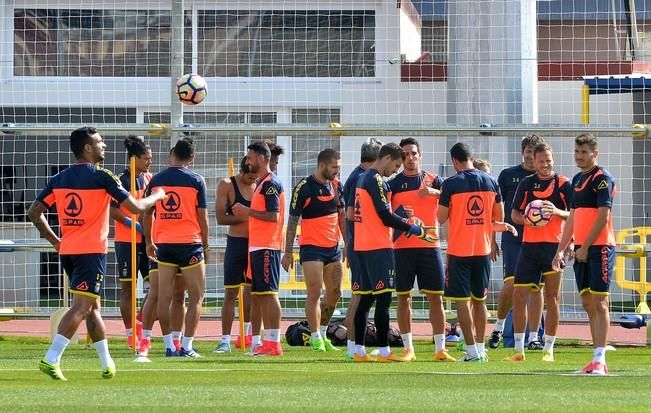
(421, 233)
(129, 224)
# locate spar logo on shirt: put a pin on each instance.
(73, 207)
(475, 208)
(171, 204)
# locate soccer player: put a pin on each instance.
(237, 189)
(508, 180)
(178, 238)
(471, 200)
(482, 164)
(135, 147)
(317, 202)
(369, 153)
(591, 224)
(82, 193)
(374, 221)
(266, 219)
(415, 192)
(539, 244)
(256, 317)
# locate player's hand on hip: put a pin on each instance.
(287, 261)
(581, 254)
(57, 245)
(495, 251)
(240, 210)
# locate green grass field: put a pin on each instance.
(306, 381)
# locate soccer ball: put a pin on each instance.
(191, 89)
(534, 213)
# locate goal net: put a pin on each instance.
(311, 75)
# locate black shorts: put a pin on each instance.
(422, 264)
(510, 253)
(377, 271)
(594, 276)
(467, 277)
(86, 273)
(322, 254)
(265, 271)
(236, 261)
(123, 258)
(534, 263)
(183, 256)
(355, 268)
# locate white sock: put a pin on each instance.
(146, 334)
(599, 354)
(255, 341)
(471, 350)
(274, 335)
(461, 334)
(128, 331)
(103, 352)
(481, 349)
(439, 342)
(360, 350)
(519, 342)
(324, 331)
(533, 336)
(549, 343)
(58, 346)
(169, 343)
(385, 351)
(407, 339)
(176, 335)
(247, 329)
(350, 347)
(316, 336)
(499, 325)
(187, 343)
(226, 338)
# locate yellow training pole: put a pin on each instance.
(134, 270)
(240, 293)
(585, 105)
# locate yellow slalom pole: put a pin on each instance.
(585, 105)
(134, 270)
(240, 293)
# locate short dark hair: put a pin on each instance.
(135, 146)
(79, 138)
(328, 155)
(244, 168)
(542, 147)
(370, 150)
(586, 139)
(530, 140)
(276, 150)
(392, 149)
(184, 148)
(461, 152)
(261, 148)
(410, 141)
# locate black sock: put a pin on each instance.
(361, 318)
(382, 305)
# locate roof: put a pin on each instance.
(616, 84)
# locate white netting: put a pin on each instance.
(400, 66)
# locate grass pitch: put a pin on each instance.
(305, 381)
